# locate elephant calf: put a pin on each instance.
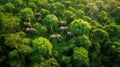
(70, 35)
(63, 28)
(30, 30)
(37, 15)
(57, 37)
(27, 24)
(62, 23)
(39, 20)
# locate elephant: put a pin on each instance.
(70, 35)
(57, 37)
(39, 20)
(63, 28)
(30, 30)
(37, 15)
(27, 24)
(62, 23)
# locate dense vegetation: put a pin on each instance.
(59, 33)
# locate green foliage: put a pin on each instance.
(2, 8)
(42, 30)
(18, 5)
(42, 3)
(9, 7)
(82, 41)
(14, 59)
(116, 47)
(66, 60)
(113, 31)
(114, 4)
(87, 18)
(91, 10)
(68, 3)
(94, 25)
(116, 14)
(80, 13)
(24, 50)
(21, 49)
(81, 1)
(103, 17)
(71, 9)
(33, 6)
(100, 5)
(99, 35)
(51, 21)
(51, 62)
(80, 56)
(9, 23)
(68, 15)
(14, 40)
(26, 13)
(81, 6)
(41, 47)
(80, 27)
(44, 12)
(57, 8)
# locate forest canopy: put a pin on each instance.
(59, 33)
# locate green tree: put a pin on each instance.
(80, 27)
(87, 18)
(82, 41)
(100, 5)
(80, 57)
(41, 3)
(57, 8)
(81, 6)
(116, 14)
(68, 16)
(33, 6)
(17, 57)
(18, 5)
(51, 21)
(72, 9)
(76, 2)
(91, 10)
(51, 62)
(15, 40)
(103, 17)
(66, 60)
(44, 12)
(2, 8)
(42, 49)
(26, 13)
(9, 23)
(80, 13)
(99, 35)
(94, 55)
(20, 49)
(113, 31)
(114, 4)
(14, 59)
(9, 7)
(42, 30)
(68, 3)
(116, 47)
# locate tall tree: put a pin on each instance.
(51, 21)
(80, 27)
(80, 57)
